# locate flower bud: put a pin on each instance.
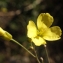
(5, 35)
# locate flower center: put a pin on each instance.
(40, 33)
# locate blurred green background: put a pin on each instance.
(14, 17)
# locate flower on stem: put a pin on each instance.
(5, 35)
(42, 31)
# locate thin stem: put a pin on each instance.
(36, 55)
(47, 54)
(42, 60)
(23, 47)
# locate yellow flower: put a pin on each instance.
(5, 35)
(42, 31)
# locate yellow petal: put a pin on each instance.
(41, 26)
(52, 34)
(38, 41)
(2, 32)
(57, 30)
(46, 18)
(31, 29)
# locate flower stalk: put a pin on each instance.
(36, 54)
(47, 54)
(23, 47)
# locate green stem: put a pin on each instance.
(36, 54)
(23, 47)
(47, 54)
